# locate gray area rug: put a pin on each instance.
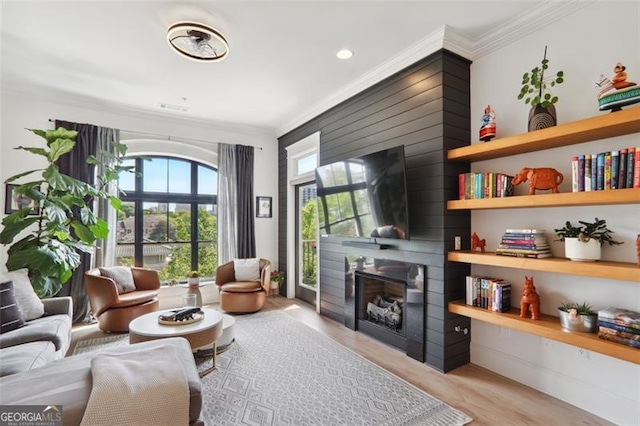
(282, 372)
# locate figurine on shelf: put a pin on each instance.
(618, 92)
(620, 79)
(542, 178)
(488, 128)
(476, 242)
(530, 299)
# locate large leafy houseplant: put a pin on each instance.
(64, 224)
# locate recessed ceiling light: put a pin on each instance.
(344, 54)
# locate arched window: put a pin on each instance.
(169, 218)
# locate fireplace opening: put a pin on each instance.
(382, 303)
(385, 299)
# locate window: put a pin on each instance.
(169, 217)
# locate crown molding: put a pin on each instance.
(535, 19)
(448, 38)
(428, 45)
(76, 100)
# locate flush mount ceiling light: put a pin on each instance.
(197, 41)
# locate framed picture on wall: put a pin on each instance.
(14, 202)
(263, 206)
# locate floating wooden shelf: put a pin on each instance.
(602, 126)
(592, 198)
(549, 327)
(601, 269)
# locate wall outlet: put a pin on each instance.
(457, 243)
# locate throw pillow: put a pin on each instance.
(247, 269)
(10, 315)
(122, 276)
(28, 301)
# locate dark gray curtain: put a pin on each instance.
(246, 243)
(75, 165)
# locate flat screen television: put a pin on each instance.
(364, 197)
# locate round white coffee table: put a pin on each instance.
(202, 335)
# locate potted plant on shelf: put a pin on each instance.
(578, 317)
(536, 90)
(193, 278)
(584, 242)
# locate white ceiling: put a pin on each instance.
(281, 64)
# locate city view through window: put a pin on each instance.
(169, 217)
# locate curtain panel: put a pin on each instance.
(91, 140)
(246, 242)
(227, 213)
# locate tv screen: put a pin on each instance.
(364, 196)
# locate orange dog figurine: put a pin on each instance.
(476, 242)
(530, 299)
(543, 178)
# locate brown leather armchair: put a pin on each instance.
(242, 297)
(115, 311)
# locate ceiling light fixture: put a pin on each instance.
(197, 41)
(344, 54)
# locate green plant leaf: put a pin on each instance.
(54, 212)
(14, 224)
(53, 177)
(93, 160)
(59, 133)
(34, 150)
(116, 203)
(554, 99)
(83, 233)
(100, 229)
(59, 147)
(18, 176)
(87, 216)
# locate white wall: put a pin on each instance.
(27, 110)
(585, 44)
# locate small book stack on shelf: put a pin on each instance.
(472, 186)
(524, 243)
(620, 326)
(493, 294)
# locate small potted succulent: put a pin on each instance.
(578, 317)
(584, 242)
(193, 278)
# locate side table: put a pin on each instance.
(192, 289)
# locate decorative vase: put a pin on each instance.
(581, 251)
(541, 118)
(194, 282)
(578, 322)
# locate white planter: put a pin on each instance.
(580, 251)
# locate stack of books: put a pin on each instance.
(524, 243)
(620, 326)
(490, 293)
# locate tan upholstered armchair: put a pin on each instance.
(115, 308)
(240, 296)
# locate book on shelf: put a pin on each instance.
(600, 172)
(636, 168)
(620, 316)
(525, 255)
(581, 168)
(631, 155)
(607, 170)
(587, 173)
(524, 251)
(523, 239)
(614, 169)
(524, 231)
(618, 327)
(574, 173)
(594, 172)
(624, 334)
(622, 169)
(619, 339)
(528, 247)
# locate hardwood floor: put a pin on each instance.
(488, 398)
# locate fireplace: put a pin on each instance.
(386, 300)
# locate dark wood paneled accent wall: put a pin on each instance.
(424, 107)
